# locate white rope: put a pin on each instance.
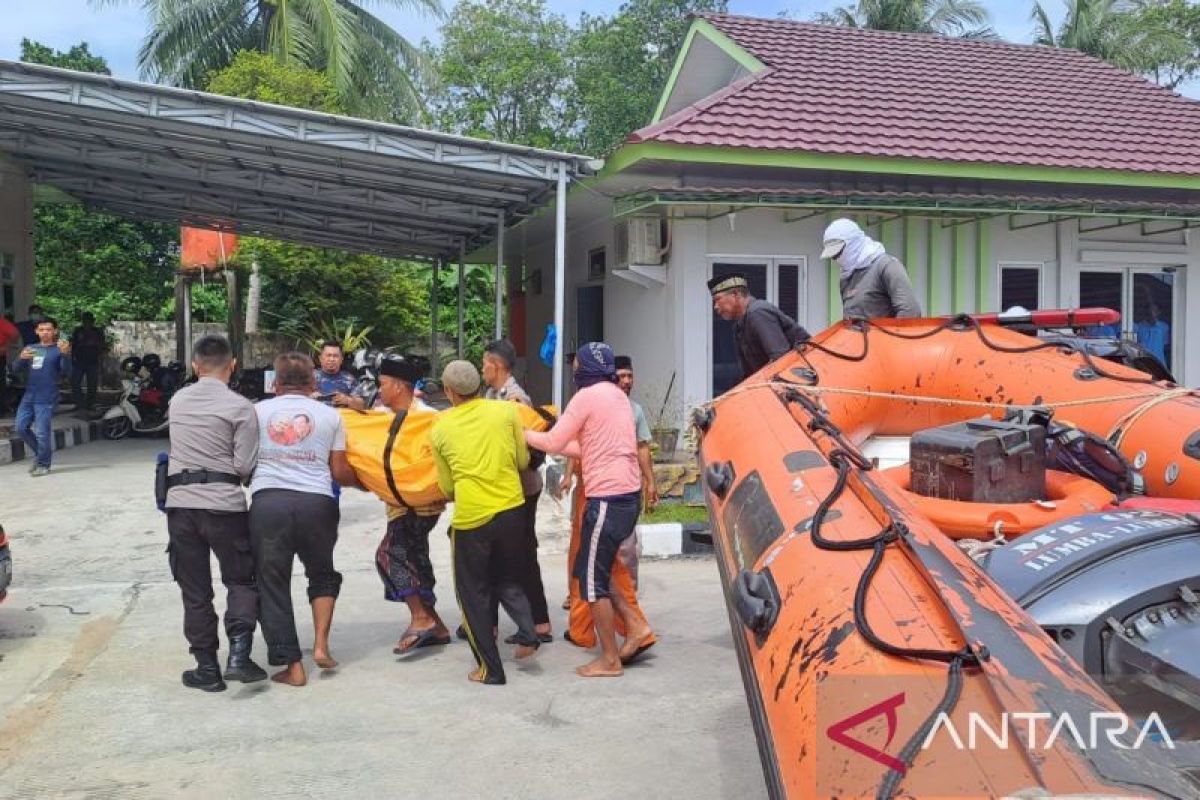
(1156, 397)
(1117, 434)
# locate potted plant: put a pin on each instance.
(665, 439)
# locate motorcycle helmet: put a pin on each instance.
(131, 365)
(151, 362)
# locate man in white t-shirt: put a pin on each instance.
(302, 450)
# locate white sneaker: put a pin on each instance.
(38, 472)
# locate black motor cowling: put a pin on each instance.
(1118, 590)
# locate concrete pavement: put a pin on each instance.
(91, 648)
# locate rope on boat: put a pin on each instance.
(1117, 434)
(845, 457)
(1152, 398)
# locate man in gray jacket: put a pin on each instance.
(873, 283)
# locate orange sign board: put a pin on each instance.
(202, 249)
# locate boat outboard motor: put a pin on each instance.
(1120, 592)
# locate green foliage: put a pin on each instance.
(305, 288)
(345, 334)
(210, 301)
(77, 58)
(622, 64)
(674, 512)
(504, 73)
(1181, 61)
(373, 69)
(115, 268)
(1115, 31)
(257, 76)
(965, 18)
(478, 308)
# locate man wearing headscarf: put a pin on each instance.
(873, 283)
(763, 332)
(597, 427)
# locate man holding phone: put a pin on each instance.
(42, 364)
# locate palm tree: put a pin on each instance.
(1111, 30)
(374, 69)
(965, 18)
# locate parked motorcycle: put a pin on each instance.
(147, 390)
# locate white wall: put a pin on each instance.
(16, 231)
(954, 268)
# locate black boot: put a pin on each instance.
(239, 667)
(206, 675)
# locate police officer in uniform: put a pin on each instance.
(214, 446)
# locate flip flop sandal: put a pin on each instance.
(424, 638)
(637, 653)
(544, 638)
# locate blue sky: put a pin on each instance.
(115, 32)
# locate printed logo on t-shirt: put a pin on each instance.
(286, 429)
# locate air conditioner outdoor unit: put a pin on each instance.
(639, 241)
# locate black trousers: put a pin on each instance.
(79, 372)
(484, 575)
(194, 533)
(285, 524)
(531, 576)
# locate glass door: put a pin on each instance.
(1152, 321)
(777, 279)
(726, 371)
(1146, 298)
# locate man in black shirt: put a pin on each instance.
(87, 349)
(763, 332)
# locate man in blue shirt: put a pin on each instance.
(43, 364)
(1154, 334)
(335, 386)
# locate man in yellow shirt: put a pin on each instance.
(479, 448)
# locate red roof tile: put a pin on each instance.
(848, 91)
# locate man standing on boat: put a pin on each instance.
(873, 283)
(763, 332)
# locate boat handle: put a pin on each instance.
(756, 598)
(719, 477)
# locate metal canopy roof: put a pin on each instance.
(155, 152)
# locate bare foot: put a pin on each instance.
(599, 668)
(544, 630)
(475, 676)
(293, 675)
(524, 651)
(322, 658)
(635, 642)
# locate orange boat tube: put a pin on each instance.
(879, 659)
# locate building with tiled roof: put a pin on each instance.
(1000, 174)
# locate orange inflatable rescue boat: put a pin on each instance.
(970, 625)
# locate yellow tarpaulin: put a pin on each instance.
(411, 458)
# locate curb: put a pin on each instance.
(668, 539)
(72, 434)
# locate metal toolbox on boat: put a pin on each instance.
(981, 460)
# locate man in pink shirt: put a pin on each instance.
(597, 427)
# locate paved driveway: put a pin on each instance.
(91, 647)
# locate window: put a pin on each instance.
(1020, 285)
(8, 283)
(596, 264)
